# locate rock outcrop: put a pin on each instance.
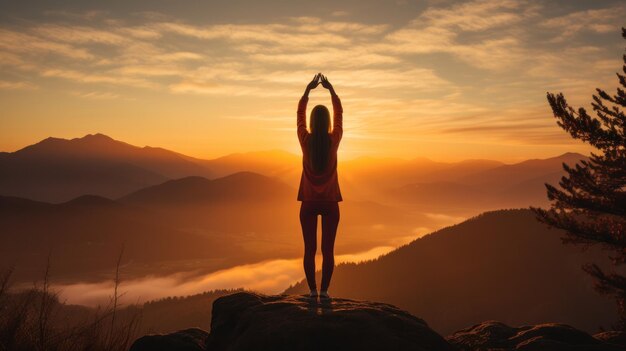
(612, 337)
(493, 335)
(193, 339)
(247, 321)
(250, 321)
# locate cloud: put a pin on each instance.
(270, 277)
(137, 60)
(416, 79)
(328, 57)
(213, 88)
(85, 15)
(7, 85)
(269, 33)
(477, 15)
(339, 13)
(97, 95)
(496, 54)
(355, 29)
(438, 30)
(96, 78)
(141, 32)
(79, 34)
(433, 74)
(420, 40)
(605, 20)
(21, 43)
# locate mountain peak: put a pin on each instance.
(87, 137)
(96, 136)
(64, 146)
(244, 175)
(44, 143)
(189, 180)
(51, 139)
(568, 156)
(571, 156)
(90, 200)
(99, 140)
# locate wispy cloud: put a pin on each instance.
(339, 13)
(97, 95)
(478, 15)
(97, 78)
(604, 20)
(270, 277)
(439, 30)
(79, 34)
(15, 42)
(17, 85)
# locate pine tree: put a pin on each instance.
(591, 202)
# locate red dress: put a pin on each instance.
(320, 186)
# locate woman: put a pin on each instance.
(319, 188)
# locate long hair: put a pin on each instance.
(319, 141)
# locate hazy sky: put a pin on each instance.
(443, 79)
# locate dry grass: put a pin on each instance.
(35, 319)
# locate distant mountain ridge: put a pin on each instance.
(504, 186)
(275, 163)
(101, 147)
(240, 218)
(524, 170)
(240, 186)
(84, 234)
(58, 170)
(180, 220)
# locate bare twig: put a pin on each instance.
(116, 295)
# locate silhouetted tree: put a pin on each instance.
(591, 202)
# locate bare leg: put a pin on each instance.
(330, 221)
(308, 221)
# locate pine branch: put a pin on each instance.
(590, 202)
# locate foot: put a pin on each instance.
(313, 294)
(324, 295)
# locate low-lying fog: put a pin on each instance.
(269, 277)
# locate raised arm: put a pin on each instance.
(301, 114)
(337, 109)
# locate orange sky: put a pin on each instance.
(447, 80)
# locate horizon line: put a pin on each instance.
(356, 158)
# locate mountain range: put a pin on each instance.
(186, 224)
(58, 170)
(81, 200)
(78, 203)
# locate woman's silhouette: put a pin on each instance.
(319, 187)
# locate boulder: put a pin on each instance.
(250, 321)
(193, 339)
(613, 337)
(493, 335)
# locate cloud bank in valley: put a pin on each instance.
(270, 277)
